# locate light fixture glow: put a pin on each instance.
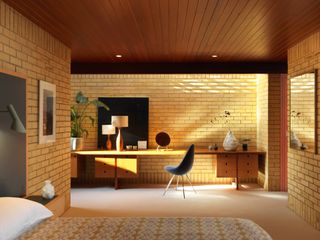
(214, 55)
(118, 56)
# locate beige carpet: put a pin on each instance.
(268, 209)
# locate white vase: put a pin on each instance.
(47, 190)
(230, 142)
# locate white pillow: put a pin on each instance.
(18, 215)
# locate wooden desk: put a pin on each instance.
(229, 163)
(125, 154)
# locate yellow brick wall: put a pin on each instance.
(262, 125)
(28, 50)
(182, 105)
(304, 167)
(268, 134)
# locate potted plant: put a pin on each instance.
(230, 142)
(78, 116)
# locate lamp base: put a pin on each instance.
(119, 141)
(108, 143)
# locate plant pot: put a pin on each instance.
(230, 142)
(76, 144)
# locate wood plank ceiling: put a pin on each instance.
(175, 30)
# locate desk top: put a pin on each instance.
(251, 150)
(147, 152)
(154, 152)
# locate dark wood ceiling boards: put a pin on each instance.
(175, 31)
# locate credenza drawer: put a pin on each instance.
(126, 167)
(248, 165)
(74, 166)
(226, 165)
(104, 167)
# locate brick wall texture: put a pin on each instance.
(28, 50)
(262, 125)
(304, 167)
(268, 134)
(182, 105)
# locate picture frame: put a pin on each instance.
(47, 112)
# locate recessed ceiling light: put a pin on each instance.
(214, 55)
(118, 56)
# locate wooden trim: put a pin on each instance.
(284, 132)
(171, 68)
(316, 111)
(24, 77)
(15, 74)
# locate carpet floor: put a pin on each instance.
(268, 209)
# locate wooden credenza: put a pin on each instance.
(116, 164)
(247, 165)
(235, 164)
(124, 164)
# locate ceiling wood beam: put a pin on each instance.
(166, 68)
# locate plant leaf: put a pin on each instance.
(80, 98)
(99, 104)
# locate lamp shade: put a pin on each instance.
(108, 129)
(119, 121)
(16, 125)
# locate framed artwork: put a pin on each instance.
(47, 112)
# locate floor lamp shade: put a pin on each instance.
(108, 130)
(16, 124)
(119, 122)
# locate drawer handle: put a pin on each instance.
(226, 163)
(248, 163)
(104, 171)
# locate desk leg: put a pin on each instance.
(116, 173)
(237, 172)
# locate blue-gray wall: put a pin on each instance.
(12, 144)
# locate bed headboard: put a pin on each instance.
(12, 144)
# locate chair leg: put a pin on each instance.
(190, 183)
(168, 185)
(184, 196)
(177, 183)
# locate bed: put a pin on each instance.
(24, 219)
(147, 228)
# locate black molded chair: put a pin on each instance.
(182, 169)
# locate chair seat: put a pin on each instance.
(172, 169)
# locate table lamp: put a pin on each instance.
(119, 122)
(108, 130)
